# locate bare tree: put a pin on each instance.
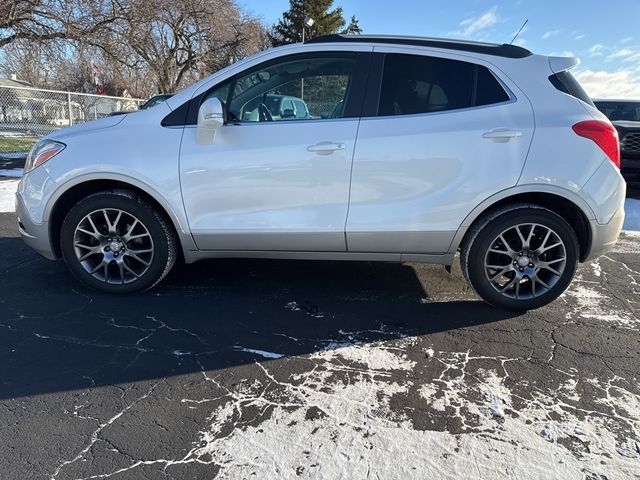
(179, 42)
(41, 20)
(145, 46)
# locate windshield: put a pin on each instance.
(620, 111)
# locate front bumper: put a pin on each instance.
(34, 235)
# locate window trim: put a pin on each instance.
(374, 88)
(186, 115)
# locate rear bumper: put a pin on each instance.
(605, 192)
(604, 237)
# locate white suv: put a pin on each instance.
(413, 149)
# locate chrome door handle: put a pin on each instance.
(325, 148)
(502, 134)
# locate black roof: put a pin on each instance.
(504, 50)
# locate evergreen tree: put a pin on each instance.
(353, 27)
(327, 20)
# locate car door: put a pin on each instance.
(441, 134)
(273, 183)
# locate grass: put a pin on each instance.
(16, 144)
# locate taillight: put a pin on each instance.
(604, 135)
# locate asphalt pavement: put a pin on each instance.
(278, 369)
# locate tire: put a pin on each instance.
(137, 245)
(520, 271)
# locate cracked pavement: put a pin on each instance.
(265, 369)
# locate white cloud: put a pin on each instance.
(471, 26)
(579, 37)
(601, 84)
(622, 53)
(550, 33)
(626, 40)
(596, 50)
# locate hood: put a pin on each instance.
(83, 128)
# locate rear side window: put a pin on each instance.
(413, 84)
(488, 89)
(566, 83)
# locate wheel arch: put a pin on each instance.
(72, 193)
(573, 209)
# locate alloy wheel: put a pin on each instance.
(525, 261)
(113, 246)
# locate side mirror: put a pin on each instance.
(211, 117)
(288, 113)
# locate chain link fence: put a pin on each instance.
(32, 112)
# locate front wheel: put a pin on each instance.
(521, 257)
(116, 242)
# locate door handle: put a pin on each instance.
(326, 148)
(502, 134)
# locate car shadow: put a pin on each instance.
(212, 315)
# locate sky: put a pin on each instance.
(605, 35)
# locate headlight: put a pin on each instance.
(41, 152)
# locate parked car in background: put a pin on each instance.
(625, 116)
(428, 148)
(279, 107)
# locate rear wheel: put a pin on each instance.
(118, 243)
(520, 257)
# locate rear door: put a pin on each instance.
(440, 134)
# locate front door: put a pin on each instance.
(274, 180)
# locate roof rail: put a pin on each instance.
(504, 50)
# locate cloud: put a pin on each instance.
(626, 40)
(596, 50)
(622, 53)
(579, 37)
(550, 33)
(471, 26)
(620, 84)
(627, 55)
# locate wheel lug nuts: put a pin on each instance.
(521, 269)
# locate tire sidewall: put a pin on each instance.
(484, 238)
(143, 213)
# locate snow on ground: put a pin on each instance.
(7, 195)
(341, 417)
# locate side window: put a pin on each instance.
(489, 90)
(295, 88)
(413, 84)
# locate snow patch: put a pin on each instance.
(8, 195)
(262, 353)
(357, 433)
(374, 356)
